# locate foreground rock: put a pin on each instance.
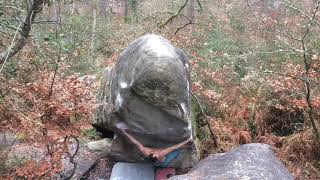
(145, 101)
(84, 159)
(251, 161)
(132, 171)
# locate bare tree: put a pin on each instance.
(93, 34)
(300, 44)
(33, 10)
(187, 5)
(126, 8)
(190, 10)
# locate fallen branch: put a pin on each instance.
(71, 157)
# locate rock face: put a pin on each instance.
(148, 94)
(251, 161)
(85, 159)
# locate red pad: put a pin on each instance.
(164, 173)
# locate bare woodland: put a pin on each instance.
(255, 74)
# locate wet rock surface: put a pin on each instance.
(147, 93)
(251, 161)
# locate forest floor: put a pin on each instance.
(89, 164)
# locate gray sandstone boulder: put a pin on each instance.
(148, 94)
(132, 171)
(249, 162)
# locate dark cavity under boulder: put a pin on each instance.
(250, 161)
(147, 93)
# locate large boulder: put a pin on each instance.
(250, 161)
(147, 94)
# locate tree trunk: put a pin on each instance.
(35, 8)
(72, 7)
(190, 10)
(93, 35)
(126, 8)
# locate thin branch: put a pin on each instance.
(55, 72)
(3, 12)
(200, 5)
(48, 22)
(290, 4)
(175, 15)
(12, 7)
(161, 13)
(8, 26)
(289, 45)
(11, 45)
(287, 75)
(305, 56)
(181, 27)
(207, 120)
(185, 25)
(307, 68)
(272, 29)
(58, 25)
(109, 6)
(36, 7)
